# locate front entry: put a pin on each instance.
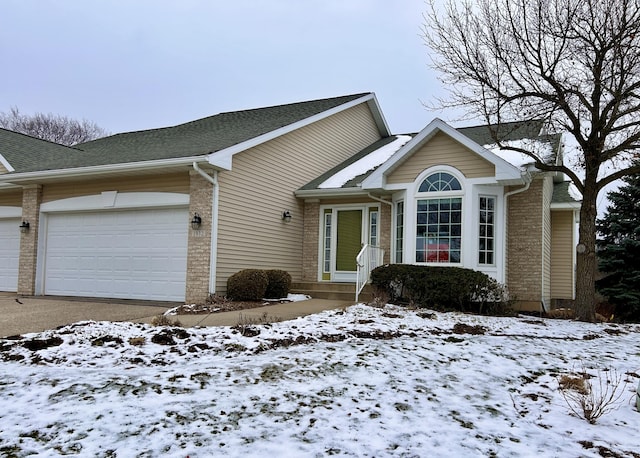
(345, 231)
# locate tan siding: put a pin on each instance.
(11, 198)
(175, 182)
(260, 187)
(562, 254)
(442, 150)
(3, 169)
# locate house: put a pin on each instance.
(169, 214)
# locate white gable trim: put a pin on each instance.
(223, 158)
(6, 164)
(505, 172)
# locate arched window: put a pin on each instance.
(440, 181)
(439, 219)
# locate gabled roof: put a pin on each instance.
(214, 139)
(506, 173)
(509, 170)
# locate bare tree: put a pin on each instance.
(51, 127)
(573, 63)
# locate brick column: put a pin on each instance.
(199, 243)
(310, 240)
(385, 230)
(31, 198)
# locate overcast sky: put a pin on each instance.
(138, 64)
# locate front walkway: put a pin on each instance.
(36, 313)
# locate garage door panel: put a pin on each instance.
(139, 254)
(9, 253)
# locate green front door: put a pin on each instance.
(348, 240)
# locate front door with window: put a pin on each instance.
(345, 230)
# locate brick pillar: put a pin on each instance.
(385, 229)
(199, 243)
(310, 240)
(31, 198)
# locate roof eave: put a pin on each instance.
(566, 206)
(99, 169)
(330, 192)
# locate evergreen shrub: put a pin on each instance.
(247, 285)
(442, 288)
(278, 285)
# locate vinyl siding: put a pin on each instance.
(441, 150)
(11, 198)
(562, 243)
(3, 169)
(260, 186)
(175, 182)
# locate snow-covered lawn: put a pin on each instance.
(357, 382)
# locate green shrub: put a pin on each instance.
(279, 284)
(442, 288)
(247, 285)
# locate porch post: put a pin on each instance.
(310, 240)
(31, 199)
(199, 241)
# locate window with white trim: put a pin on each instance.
(327, 242)
(486, 230)
(373, 226)
(439, 219)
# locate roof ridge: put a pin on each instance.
(249, 110)
(31, 137)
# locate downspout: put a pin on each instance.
(214, 224)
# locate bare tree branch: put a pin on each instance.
(54, 128)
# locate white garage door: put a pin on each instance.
(9, 253)
(134, 254)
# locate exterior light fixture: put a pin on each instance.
(24, 227)
(196, 222)
(286, 216)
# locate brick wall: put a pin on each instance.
(31, 199)
(199, 243)
(524, 239)
(385, 231)
(310, 240)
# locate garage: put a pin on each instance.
(9, 253)
(128, 254)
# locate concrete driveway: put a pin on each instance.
(40, 313)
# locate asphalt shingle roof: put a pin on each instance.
(561, 193)
(194, 138)
(26, 153)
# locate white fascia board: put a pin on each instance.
(100, 169)
(335, 192)
(6, 164)
(223, 158)
(566, 206)
(505, 172)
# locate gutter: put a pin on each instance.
(214, 223)
(98, 169)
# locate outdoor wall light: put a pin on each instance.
(286, 216)
(24, 227)
(196, 222)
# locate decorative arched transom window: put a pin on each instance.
(439, 219)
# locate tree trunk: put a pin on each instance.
(586, 256)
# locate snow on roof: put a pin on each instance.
(369, 162)
(574, 192)
(542, 149)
